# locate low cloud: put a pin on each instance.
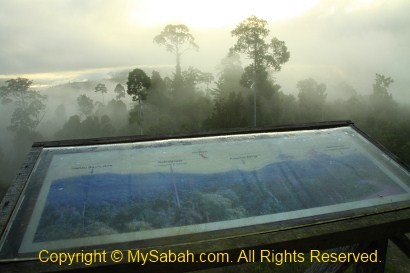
(333, 41)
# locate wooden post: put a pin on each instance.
(369, 267)
(317, 267)
(402, 242)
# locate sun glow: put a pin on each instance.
(215, 13)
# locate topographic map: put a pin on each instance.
(124, 192)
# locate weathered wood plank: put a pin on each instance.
(402, 242)
(338, 267)
(369, 267)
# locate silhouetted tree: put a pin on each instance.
(85, 105)
(380, 97)
(229, 109)
(176, 39)
(312, 96)
(29, 107)
(71, 129)
(120, 91)
(251, 34)
(230, 72)
(117, 111)
(60, 113)
(159, 94)
(190, 83)
(383, 107)
(137, 86)
(194, 76)
(229, 112)
(101, 88)
(91, 126)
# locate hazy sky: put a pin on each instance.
(332, 41)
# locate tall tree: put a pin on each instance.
(137, 86)
(193, 76)
(312, 96)
(229, 107)
(230, 70)
(176, 39)
(251, 35)
(158, 91)
(102, 89)
(120, 91)
(383, 107)
(380, 89)
(29, 104)
(85, 105)
(228, 112)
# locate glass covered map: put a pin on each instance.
(98, 195)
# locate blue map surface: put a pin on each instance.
(111, 203)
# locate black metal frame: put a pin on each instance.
(327, 233)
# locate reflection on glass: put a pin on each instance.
(128, 192)
(110, 203)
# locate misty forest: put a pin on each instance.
(243, 93)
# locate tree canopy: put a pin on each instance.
(120, 91)
(85, 105)
(101, 88)
(176, 39)
(29, 107)
(251, 34)
(138, 84)
(312, 96)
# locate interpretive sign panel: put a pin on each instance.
(86, 196)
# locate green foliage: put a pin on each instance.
(117, 111)
(382, 106)
(194, 76)
(60, 113)
(198, 108)
(71, 128)
(137, 87)
(228, 112)
(120, 91)
(312, 96)
(138, 84)
(278, 54)
(159, 91)
(29, 107)
(90, 127)
(251, 34)
(230, 72)
(85, 105)
(381, 98)
(229, 108)
(381, 84)
(191, 79)
(287, 109)
(101, 88)
(176, 39)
